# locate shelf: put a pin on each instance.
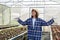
(11, 32)
(56, 32)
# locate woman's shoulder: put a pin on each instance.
(40, 19)
(36, 18)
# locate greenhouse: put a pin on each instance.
(10, 29)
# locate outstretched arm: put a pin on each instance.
(44, 23)
(22, 22)
(50, 22)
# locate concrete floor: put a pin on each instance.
(45, 36)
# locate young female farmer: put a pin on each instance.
(35, 25)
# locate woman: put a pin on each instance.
(35, 25)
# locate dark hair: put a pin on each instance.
(36, 13)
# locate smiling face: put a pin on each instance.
(34, 13)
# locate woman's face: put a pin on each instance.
(33, 13)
